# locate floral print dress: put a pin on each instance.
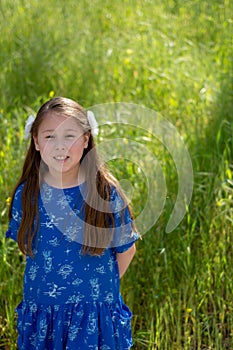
(70, 300)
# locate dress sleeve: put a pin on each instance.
(123, 233)
(15, 220)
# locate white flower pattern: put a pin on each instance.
(68, 295)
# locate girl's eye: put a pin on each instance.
(69, 136)
(49, 137)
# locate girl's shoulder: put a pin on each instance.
(17, 198)
(18, 191)
(117, 198)
(20, 187)
(115, 192)
(16, 213)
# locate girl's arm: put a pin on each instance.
(124, 259)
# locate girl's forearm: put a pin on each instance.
(124, 259)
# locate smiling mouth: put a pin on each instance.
(61, 158)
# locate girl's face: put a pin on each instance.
(61, 142)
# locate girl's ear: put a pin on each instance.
(86, 140)
(36, 143)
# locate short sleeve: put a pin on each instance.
(123, 234)
(15, 220)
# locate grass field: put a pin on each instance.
(174, 57)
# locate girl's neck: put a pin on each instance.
(62, 182)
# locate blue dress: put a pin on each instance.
(70, 300)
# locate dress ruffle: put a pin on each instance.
(82, 326)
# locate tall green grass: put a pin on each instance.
(171, 56)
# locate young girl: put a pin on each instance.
(71, 220)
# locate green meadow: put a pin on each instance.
(173, 57)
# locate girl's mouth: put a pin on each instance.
(61, 158)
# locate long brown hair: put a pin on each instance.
(99, 182)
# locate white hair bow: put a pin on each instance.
(93, 123)
(28, 126)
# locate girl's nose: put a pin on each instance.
(60, 144)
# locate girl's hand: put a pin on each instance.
(124, 259)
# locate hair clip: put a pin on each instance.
(28, 126)
(93, 123)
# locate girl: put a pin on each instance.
(71, 220)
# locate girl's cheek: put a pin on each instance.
(47, 147)
(74, 144)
